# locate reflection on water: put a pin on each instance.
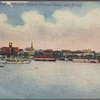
(52, 80)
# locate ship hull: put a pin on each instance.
(9, 62)
(44, 58)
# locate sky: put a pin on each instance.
(57, 25)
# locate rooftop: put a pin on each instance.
(29, 49)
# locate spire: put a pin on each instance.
(32, 45)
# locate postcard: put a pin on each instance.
(49, 50)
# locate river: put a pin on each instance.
(50, 80)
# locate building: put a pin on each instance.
(30, 50)
(88, 52)
(79, 53)
(21, 51)
(57, 52)
(41, 50)
(67, 53)
(47, 53)
(9, 50)
(49, 50)
(97, 54)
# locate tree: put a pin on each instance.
(26, 55)
(76, 56)
(69, 56)
(15, 55)
(40, 53)
(56, 54)
(98, 57)
(36, 53)
(20, 55)
(81, 56)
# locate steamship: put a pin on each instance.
(44, 58)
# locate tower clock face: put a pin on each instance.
(10, 44)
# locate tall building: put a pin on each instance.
(9, 50)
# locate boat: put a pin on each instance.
(2, 61)
(61, 58)
(69, 59)
(44, 58)
(36, 67)
(17, 61)
(1, 66)
(86, 60)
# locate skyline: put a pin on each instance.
(51, 27)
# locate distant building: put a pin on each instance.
(47, 53)
(58, 52)
(79, 53)
(9, 50)
(41, 50)
(20, 50)
(97, 54)
(30, 50)
(84, 52)
(0, 51)
(88, 52)
(49, 50)
(67, 52)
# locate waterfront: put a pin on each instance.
(52, 80)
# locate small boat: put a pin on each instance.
(61, 58)
(1, 66)
(36, 67)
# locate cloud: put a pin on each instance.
(69, 19)
(33, 18)
(69, 32)
(82, 30)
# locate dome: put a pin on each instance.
(29, 49)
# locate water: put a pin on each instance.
(50, 80)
